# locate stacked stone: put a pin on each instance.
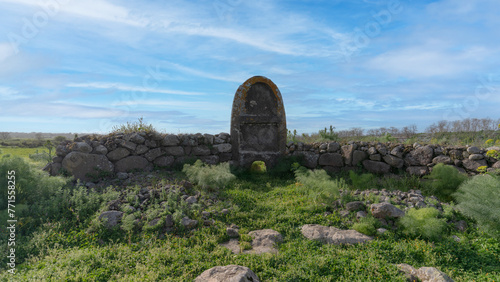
(383, 158)
(91, 155)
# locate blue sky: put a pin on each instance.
(85, 66)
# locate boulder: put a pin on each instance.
(358, 157)
(101, 150)
(372, 151)
(170, 140)
(223, 148)
(496, 165)
(82, 147)
(118, 154)
(141, 149)
(383, 210)
(212, 160)
(442, 159)
(233, 245)
(137, 139)
(62, 150)
(82, 166)
(201, 150)
(421, 155)
(228, 273)
(331, 159)
(333, 147)
(347, 152)
(394, 161)
(376, 167)
(310, 159)
(398, 151)
(164, 161)
(264, 241)
(355, 206)
(111, 218)
(409, 271)
(473, 164)
(151, 155)
(128, 145)
(432, 274)
(232, 232)
(376, 157)
(189, 223)
(475, 157)
(332, 235)
(174, 151)
(473, 150)
(131, 163)
(417, 170)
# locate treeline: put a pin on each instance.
(465, 125)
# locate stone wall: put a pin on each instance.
(386, 158)
(91, 156)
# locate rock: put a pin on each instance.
(174, 151)
(331, 159)
(225, 211)
(137, 139)
(118, 154)
(472, 165)
(381, 231)
(358, 157)
(191, 200)
(128, 145)
(111, 218)
(232, 232)
(432, 274)
(223, 148)
(90, 185)
(227, 273)
(164, 161)
(151, 144)
(101, 150)
(394, 161)
(153, 154)
(376, 157)
(332, 235)
(82, 147)
(355, 206)
(475, 157)
(170, 140)
(131, 163)
(233, 245)
(169, 220)
(376, 167)
(442, 159)
(83, 166)
(264, 241)
(473, 150)
(122, 175)
(372, 151)
(422, 155)
(62, 150)
(333, 147)
(461, 225)
(398, 151)
(361, 214)
(210, 159)
(409, 271)
(496, 165)
(189, 223)
(201, 150)
(310, 159)
(383, 210)
(382, 149)
(205, 214)
(141, 149)
(417, 170)
(347, 152)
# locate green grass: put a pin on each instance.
(24, 153)
(256, 201)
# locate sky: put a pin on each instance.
(86, 66)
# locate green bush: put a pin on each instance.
(319, 185)
(423, 222)
(131, 127)
(258, 167)
(445, 181)
(479, 198)
(32, 185)
(209, 176)
(363, 181)
(367, 225)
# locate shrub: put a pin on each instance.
(493, 154)
(367, 225)
(328, 134)
(478, 198)
(130, 127)
(445, 181)
(32, 184)
(209, 176)
(363, 181)
(423, 222)
(319, 185)
(258, 167)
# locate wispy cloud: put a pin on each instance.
(7, 93)
(130, 88)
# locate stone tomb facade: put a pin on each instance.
(258, 123)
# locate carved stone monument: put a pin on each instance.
(258, 123)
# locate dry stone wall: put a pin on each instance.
(92, 156)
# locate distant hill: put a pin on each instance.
(33, 135)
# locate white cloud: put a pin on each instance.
(176, 104)
(6, 51)
(7, 94)
(123, 87)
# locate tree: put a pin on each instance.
(4, 135)
(39, 136)
(59, 139)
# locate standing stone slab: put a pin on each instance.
(258, 123)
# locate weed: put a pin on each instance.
(131, 127)
(423, 222)
(445, 181)
(209, 176)
(367, 225)
(363, 181)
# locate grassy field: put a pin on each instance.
(60, 238)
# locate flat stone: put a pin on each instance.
(376, 157)
(264, 241)
(229, 273)
(129, 145)
(310, 159)
(174, 151)
(432, 274)
(189, 223)
(394, 161)
(383, 210)
(473, 165)
(131, 163)
(409, 271)
(332, 235)
(331, 159)
(141, 149)
(201, 150)
(355, 206)
(376, 167)
(473, 150)
(233, 245)
(82, 147)
(358, 157)
(170, 140)
(118, 154)
(111, 218)
(153, 154)
(164, 161)
(442, 159)
(223, 148)
(417, 170)
(475, 157)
